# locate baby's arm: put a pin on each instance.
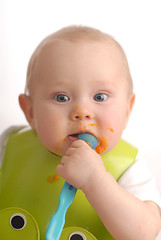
(124, 216)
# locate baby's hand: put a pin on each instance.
(80, 165)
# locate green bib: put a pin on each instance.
(30, 188)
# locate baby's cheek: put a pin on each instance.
(106, 139)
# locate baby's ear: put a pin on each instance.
(131, 102)
(26, 106)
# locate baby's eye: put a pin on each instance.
(62, 98)
(100, 97)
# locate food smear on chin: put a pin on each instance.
(58, 144)
(102, 146)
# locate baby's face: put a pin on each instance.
(79, 87)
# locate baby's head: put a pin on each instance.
(78, 80)
(77, 34)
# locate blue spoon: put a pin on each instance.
(66, 197)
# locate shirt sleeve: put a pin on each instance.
(139, 181)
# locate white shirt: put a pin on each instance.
(139, 181)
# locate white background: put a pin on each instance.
(135, 24)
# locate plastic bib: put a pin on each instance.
(30, 188)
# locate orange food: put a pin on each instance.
(56, 177)
(102, 146)
(88, 143)
(81, 126)
(93, 124)
(52, 179)
(111, 129)
(58, 144)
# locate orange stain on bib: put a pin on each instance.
(52, 179)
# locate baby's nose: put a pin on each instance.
(81, 114)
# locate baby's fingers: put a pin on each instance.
(60, 170)
(78, 144)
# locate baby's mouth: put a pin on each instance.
(73, 137)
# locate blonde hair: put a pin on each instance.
(75, 34)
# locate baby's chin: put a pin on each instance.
(54, 149)
(58, 152)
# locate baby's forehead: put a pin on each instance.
(51, 46)
(56, 46)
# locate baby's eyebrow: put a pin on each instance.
(58, 83)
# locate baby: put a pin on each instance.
(78, 80)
